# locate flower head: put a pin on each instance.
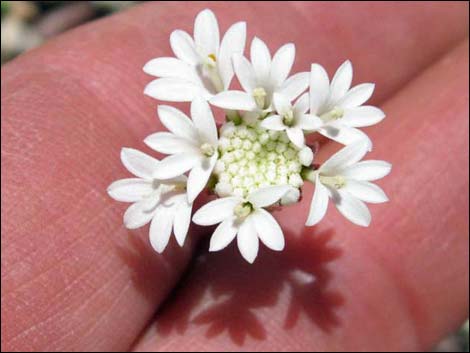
(339, 106)
(246, 219)
(259, 157)
(252, 157)
(192, 145)
(260, 79)
(163, 203)
(202, 66)
(347, 182)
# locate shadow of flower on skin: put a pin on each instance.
(224, 293)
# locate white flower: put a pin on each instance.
(340, 107)
(201, 67)
(292, 119)
(191, 144)
(245, 219)
(163, 203)
(346, 181)
(260, 79)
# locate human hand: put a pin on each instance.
(73, 278)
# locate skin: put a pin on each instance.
(73, 278)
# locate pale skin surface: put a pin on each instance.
(73, 278)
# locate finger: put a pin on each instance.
(400, 284)
(70, 270)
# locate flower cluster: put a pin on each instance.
(259, 157)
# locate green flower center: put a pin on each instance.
(259, 94)
(334, 114)
(207, 149)
(336, 181)
(288, 118)
(242, 210)
(252, 157)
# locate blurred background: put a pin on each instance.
(27, 24)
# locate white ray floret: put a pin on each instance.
(191, 144)
(202, 66)
(260, 79)
(292, 119)
(347, 182)
(162, 203)
(246, 219)
(341, 107)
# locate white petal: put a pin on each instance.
(151, 201)
(319, 88)
(182, 220)
(204, 121)
(281, 104)
(180, 179)
(245, 73)
(136, 216)
(223, 235)
(352, 208)
(232, 43)
(177, 122)
(206, 32)
(282, 64)
(168, 143)
(344, 134)
(175, 165)
(273, 122)
(199, 176)
(346, 156)
(247, 241)
(216, 211)
(175, 90)
(366, 191)
(160, 228)
(291, 197)
(306, 156)
(184, 48)
(236, 100)
(302, 104)
(170, 67)
(139, 163)
(367, 170)
(362, 116)
(268, 229)
(260, 59)
(296, 136)
(357, 95)
(341, 82)
(130, 190)
(319, 204)
(294, 85)
(309, 122)
(267, 196)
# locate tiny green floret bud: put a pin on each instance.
(207, 149)
(288, 118)
(259, 94)
(336, 181)
(242, 210)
